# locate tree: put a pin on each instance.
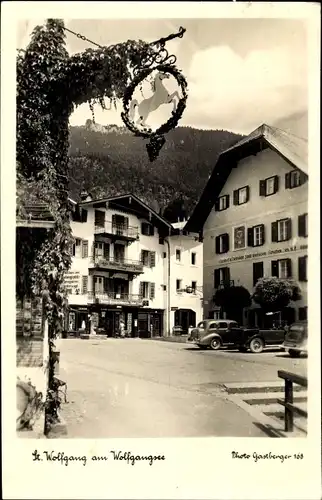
(233, 300)
(273, 294)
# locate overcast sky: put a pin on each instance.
(240, 72)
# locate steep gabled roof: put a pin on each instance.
(293, 149)
(131, 203)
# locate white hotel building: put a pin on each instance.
(253, 216)
(129, 264)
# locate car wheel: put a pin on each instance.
(256, 345)
(242, 348)
(215, 344)
(294, 354)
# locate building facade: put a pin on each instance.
(254, 222)
(121, 273)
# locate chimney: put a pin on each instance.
(85, 196)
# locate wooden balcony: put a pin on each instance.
(112, 298)
(115, 232)
(122, 265)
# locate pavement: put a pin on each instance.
(140, 388)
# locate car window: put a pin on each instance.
(222, 324)
(233, 324)
(213, 325)
(202, 325)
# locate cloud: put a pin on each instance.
(229, 91)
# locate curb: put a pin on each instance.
(181, 340)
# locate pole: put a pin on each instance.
(168, 285)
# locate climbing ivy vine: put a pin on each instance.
(50, 83)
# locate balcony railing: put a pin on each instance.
(118, 264)
(125, 232)
(114, 298)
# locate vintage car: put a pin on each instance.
(296, 339)
(218, 333)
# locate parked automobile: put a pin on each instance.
(296, 339)
(218, 333)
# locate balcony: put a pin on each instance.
(123, 265)
(117, 232)
(112, 298)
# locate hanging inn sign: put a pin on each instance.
(158, 71)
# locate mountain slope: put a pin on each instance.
(110, 161)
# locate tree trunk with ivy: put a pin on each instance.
(50, 83)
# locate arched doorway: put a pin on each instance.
(185, 318)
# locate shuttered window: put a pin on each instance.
(269, 186)
(258, 271)
(83, 215)
(294, 179)
(281, 230)
(147, 229)
(84, 249)
(256, 236)
(152, 259)
(152, 291)
(145, 257)
(221, 276)
(106, 251)
(303, 225)
(302, 268)
(84, 284)
(99, 218)
(241, 195)
(222, 243)
(222, 203)
(282, 268)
